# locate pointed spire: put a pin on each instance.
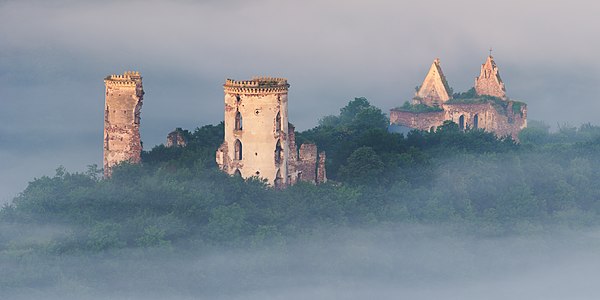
(434, 90)
(489, 81)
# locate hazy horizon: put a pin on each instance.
(55, 54)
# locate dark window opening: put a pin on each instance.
(461, 122)
(278, 122)
(476, 121)
(238, 150)
(238, 121)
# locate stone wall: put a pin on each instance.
(122, 109)
(502, 120)
(421, 121)
(176, 138)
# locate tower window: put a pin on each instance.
(238, 121)
(278, 122)
(238, 150)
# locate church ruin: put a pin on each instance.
(123, 103)
(486, 106)
(259, 141)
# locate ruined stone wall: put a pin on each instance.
(307, 163)
(256, 117)
(321, 173)
(501, 120)
(421, 121)
(123, 103)
(176, 138)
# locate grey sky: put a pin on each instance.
(54, 55)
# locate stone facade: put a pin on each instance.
(489, 82)
(176, 138)
(123, 104)
(499, 115)
(435, 89)
(258, 140)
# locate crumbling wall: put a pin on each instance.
(176, 138)
(321, 173)
(122, 114)
(307, 163)
(421, 121)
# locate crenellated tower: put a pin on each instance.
(256, 129)
(489, 82)
(123, 104)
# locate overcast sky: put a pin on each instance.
(55, 54)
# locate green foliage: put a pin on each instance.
(178, 197)
(418, 108)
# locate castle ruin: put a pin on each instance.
(123, 104)
(259, 141)
(486, 106)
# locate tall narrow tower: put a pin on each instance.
(124, 95)
(256, 130)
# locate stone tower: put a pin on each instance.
(435, 89)
(124, 95)
(256, 130)
(489, 82)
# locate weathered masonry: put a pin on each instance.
(123, 104)
(486, 106)
(259, 141)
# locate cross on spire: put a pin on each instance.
(491, 51)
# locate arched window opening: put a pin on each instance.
(237, 173)
(278, 122)
(278, 152)
(238, 150)
(476, 121)
(461, 122)
(238, 121)
(432, 129)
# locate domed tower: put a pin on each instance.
(256, 130)
(122, 108)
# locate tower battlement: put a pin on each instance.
(257, 85)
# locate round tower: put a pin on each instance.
(256, 127)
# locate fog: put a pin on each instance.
(54, 55)
(393, 262)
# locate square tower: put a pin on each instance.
(123, 104)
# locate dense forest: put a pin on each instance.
(471, 179)
(78, 233)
